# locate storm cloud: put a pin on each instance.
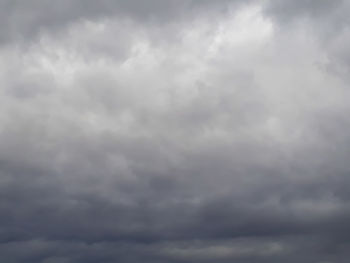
(174, 131)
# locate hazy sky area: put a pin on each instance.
(174, 131)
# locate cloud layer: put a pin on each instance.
(174, 131)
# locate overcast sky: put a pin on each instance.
(174, 131)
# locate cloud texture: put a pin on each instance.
(174, 131)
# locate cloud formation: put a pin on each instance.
(174, 131)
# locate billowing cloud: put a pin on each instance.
(174, 131)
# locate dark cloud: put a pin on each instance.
(174, 131)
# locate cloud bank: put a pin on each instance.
(174, 131)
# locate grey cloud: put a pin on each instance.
(328, 20)
(23, 20)
(118, 146)
(289, 10)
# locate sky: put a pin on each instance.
(174, 131)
